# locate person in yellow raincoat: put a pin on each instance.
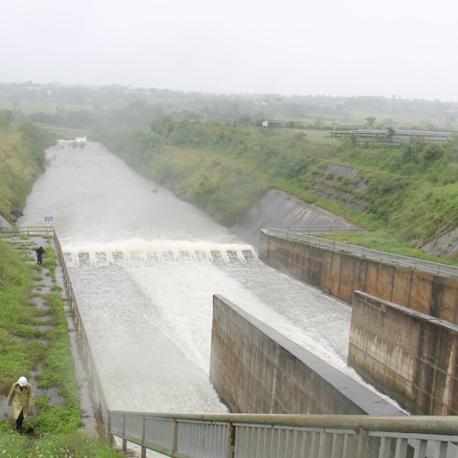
(22, 397)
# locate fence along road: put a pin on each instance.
(300, 233)
(267, 436)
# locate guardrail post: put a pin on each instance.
(124, 441)
(230, 448)
(362, 443)
(175, 436)
(143, 452)
(77, 327)
(110, 436)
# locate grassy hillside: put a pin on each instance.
(222, 188)
(22, 159)
(410, 193)
(412, 189)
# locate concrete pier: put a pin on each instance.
(255, 369)
(408, 355)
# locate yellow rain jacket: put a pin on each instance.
(21, 399)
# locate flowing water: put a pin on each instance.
(144, 267)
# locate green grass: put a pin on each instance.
(63, 132)
(411, 190)
(70, 445)
(29, 106)
(73, 444)
(16, 315)
(56, 427)
(22, 159)
(322, 138)
(381, 240)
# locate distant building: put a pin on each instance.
(271, 123)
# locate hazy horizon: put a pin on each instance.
(290, 48)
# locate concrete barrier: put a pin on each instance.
(254, 369)
(279, 208)
(408, 355)
(340, 274)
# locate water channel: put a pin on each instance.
(145, 266)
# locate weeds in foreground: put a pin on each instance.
(69, 445)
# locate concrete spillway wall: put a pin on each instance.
(408, 355)
(340, 274)
(279, 208)
(254, 369)
(4, 222)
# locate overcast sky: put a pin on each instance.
(406, 48)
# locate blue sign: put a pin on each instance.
(48, 218)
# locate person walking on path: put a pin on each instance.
(22, 397)
(40, 255)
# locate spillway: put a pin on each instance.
(144, 267)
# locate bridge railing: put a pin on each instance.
(287, 436)
(300, 233)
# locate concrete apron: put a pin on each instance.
(43, 285)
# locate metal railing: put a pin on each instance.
(321, 229)
(98, 389)
(295, 233)
(266, 436)
(29, 230)
(287, 436)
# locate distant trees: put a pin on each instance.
(423, 153)
(390, 134)
(77, 119)
(370, 121)
(450, 121)
(37, 140)
(6, 118)
(433, 152)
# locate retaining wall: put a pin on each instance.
(4, 221)
(279, 208)
(408, 355)
(340, 274)
(254, 369)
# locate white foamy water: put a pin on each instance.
(145, 267)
